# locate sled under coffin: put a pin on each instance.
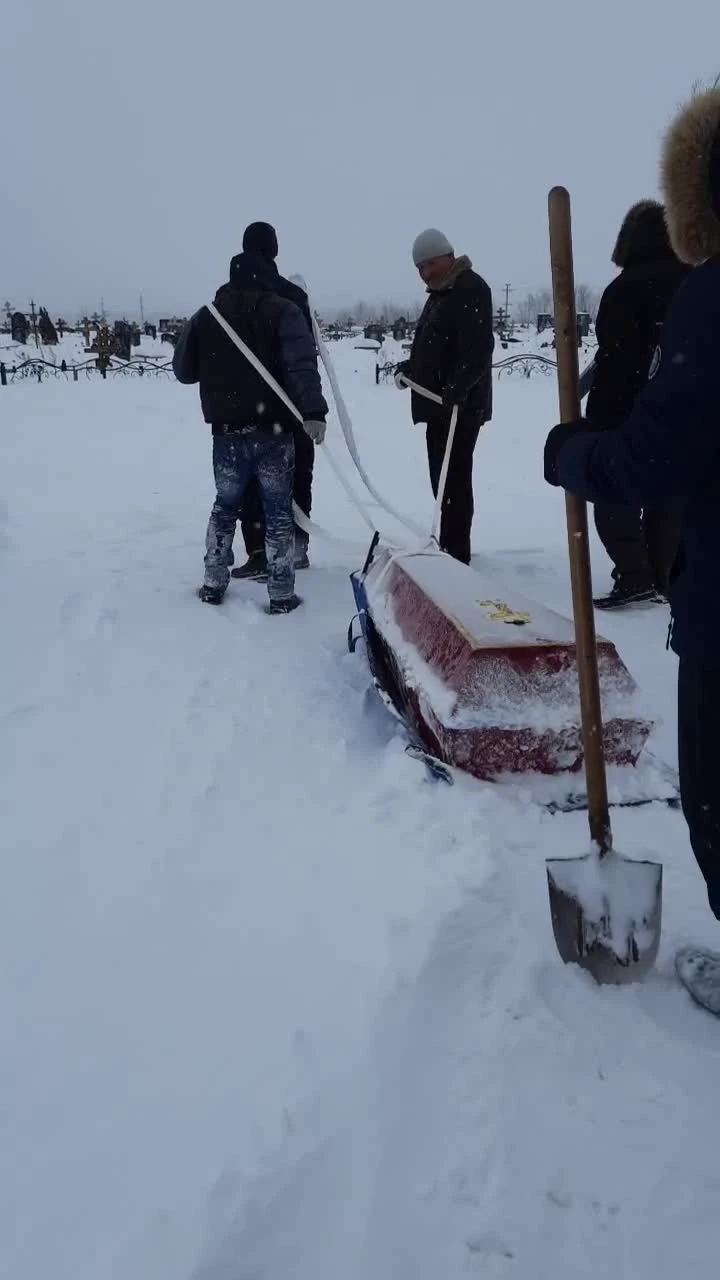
(486, 678)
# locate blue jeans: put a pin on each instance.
(238, 456)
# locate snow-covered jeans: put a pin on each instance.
(238, 456)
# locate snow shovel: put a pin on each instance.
(606, 909)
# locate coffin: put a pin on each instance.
(485, 678)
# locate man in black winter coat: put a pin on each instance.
(668, 450)
(451, 355)
(642, 544)
(260, 238)
(253, 430)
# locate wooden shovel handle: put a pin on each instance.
(563, 280)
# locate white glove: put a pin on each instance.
(315, 430)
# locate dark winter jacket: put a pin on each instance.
(631, 314)
(669, 447)
(668, 450)
(232, 392)
(452, 349)
(285, 288)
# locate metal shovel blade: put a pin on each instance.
(606, 914)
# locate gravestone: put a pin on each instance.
(46, 329)
(19, 328)
(122, 339)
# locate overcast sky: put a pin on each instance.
(138, 138)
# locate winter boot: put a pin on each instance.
(255, 567)
(211, 595)
(627, 591)
(283, 606)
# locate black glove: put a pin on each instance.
(450, 397)
(558, 437)
(402, 370)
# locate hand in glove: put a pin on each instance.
(401, 372)
(450, 398)
(557, 438)
(315, 430)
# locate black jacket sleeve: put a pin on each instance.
(670, 442)
(299, 362)
(626, 339)
(475, 342)
(185, 362)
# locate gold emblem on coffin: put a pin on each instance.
(503, 613)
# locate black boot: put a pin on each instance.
(283, 606)
(255, 568)
(627, 590)
(211, 595)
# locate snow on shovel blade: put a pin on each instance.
(606, 914)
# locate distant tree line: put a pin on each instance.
(362, 313)
(523, 311)
(532, 305)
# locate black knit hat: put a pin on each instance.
(261, 238)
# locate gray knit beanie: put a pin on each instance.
(430, 244)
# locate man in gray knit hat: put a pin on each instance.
(451, 356)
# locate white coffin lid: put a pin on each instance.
(477, 603)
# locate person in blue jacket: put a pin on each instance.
(668, 451)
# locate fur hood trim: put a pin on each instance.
(691, 178)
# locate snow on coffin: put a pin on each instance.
(485, 677)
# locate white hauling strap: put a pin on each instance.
(422, 391)
(307, 525)
(431, 395)
(427, 549)
(437, 513)
(347, 430)
(302, 520)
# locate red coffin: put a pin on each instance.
(488, 677)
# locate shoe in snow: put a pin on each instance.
(211, 595)
(624, 593)
(255, 568)
(283, 606)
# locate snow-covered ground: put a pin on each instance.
(274, 1005)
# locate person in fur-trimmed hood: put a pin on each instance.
(642, 544)
(451, 355)
(668, 450)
